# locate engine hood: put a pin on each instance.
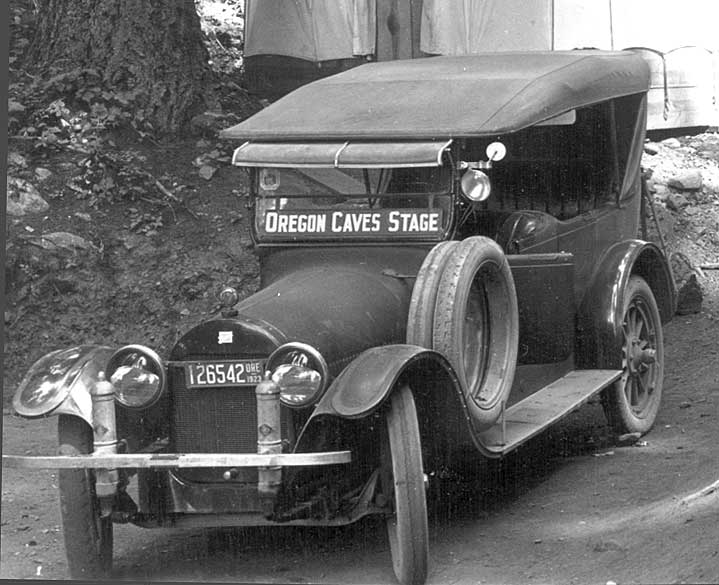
(340, 311)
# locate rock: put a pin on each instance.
(207, 172)
(682, 268)
(63, 240)
(23, 198)
(661, 192)
(671, 143)
(63, 285)
(676, 201)
(14, 107)
(82, 216)
(42, 174)
(606, 546)
(651, 148)
(690, 180)
(628, 439)
(15, 159)
(690, 297)
(210, 123)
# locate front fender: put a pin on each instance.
(599, 324)
(60, 382)
(366, 383)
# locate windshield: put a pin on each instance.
(352, 203)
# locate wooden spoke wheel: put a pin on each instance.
(632, 403)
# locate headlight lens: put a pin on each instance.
(138, 375)
(301, 373)
(475, 185)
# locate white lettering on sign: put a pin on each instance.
(413, 222)
(302, 223)
(355, 222)
(224, 337)
(386, 221)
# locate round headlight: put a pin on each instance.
(138, 375)
(301, 373)
(475, 185)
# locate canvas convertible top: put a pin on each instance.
(446, 97)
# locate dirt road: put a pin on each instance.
(572, 507)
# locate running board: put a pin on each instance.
(530, 416)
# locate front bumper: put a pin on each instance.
(176, 460)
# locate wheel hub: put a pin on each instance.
(640, 357)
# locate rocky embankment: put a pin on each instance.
(684, 184)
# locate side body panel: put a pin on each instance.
(544, 284)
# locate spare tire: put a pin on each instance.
(476, 325)
(420, 319)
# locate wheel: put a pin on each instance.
(632, 402)
(476, 325)
(403, 485)
(88, 537)
(420, 319)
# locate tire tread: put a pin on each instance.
(76, 495)
(411, 505)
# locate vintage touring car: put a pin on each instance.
(449, 264)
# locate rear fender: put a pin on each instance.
(366, 383)
(599, 324)
(61, 381)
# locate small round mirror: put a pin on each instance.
(496, 151)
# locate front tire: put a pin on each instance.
(88, 537)
(632, 402)
(403, 485)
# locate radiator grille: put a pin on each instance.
(212, 420)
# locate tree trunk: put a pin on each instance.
(152, 49)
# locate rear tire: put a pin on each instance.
(403, 485)
(476, 325)
(632, 402)
(88, 537)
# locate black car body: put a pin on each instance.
(449, 263)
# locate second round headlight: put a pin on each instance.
(301, 373)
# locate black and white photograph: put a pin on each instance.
(361, 292)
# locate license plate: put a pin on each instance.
(227, 373)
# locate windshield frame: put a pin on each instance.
(448, 163)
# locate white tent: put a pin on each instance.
(315, 30)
